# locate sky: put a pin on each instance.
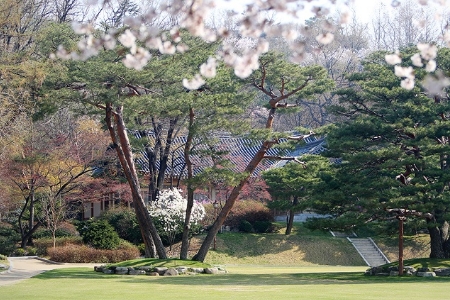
(364, 9)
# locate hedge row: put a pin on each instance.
(85, 254)
(43, 244)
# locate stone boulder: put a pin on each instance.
(160, 270)
(426, 274)
(212, 270)
(442, 272)
(182, 270)
(147, 269)
(196, 270)
(136, 272)
(171, 272)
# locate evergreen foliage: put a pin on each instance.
(125, 223)
(99, 234)
(394, 149)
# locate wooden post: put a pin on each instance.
(400, 244)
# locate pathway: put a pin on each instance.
(28, 266)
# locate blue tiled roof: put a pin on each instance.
(239, 152)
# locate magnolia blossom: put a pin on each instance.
(170, 208)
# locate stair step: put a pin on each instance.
(368, 251)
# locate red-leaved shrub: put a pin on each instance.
(43, 244)
(248, 210)
(85, 254)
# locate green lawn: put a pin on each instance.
(242, 282)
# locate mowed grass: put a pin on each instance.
(243, 282)
(304, 265)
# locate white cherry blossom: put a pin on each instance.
(127, 39)
(393, 59)
(137, 61)
(195, 83)
(431, 66)
(436, 83)
(417, 60)
(325, 38)
(407, 83)
(407, 72)
(427, 51)
(208, 69)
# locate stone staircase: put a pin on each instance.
(369, 251)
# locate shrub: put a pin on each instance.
(8, 239)
(263, 226)
(44, 243)
(99, 234)
(125, 223)
(250, 211)
(28, 251)
(3, 257)
(65, 229)
(85, 254)
(20, 252)
(245, 226)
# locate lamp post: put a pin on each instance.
(216, 206)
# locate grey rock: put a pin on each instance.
(161, 270)
(393, 273)
(197, 270)
(182, 270)
(121, 270)
(136, 272)
(211, 271)
(145, 268)
(426, 274)
(171, 272)
(442, 272)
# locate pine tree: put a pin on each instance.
(394, 149)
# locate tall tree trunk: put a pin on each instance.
(436, 239)
(120, 141)
(291, 216)
(257, 158)
(164, 158)
(190, 197)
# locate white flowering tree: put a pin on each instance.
(169, 211)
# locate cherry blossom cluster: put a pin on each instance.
(255, 24)
(425, 58)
